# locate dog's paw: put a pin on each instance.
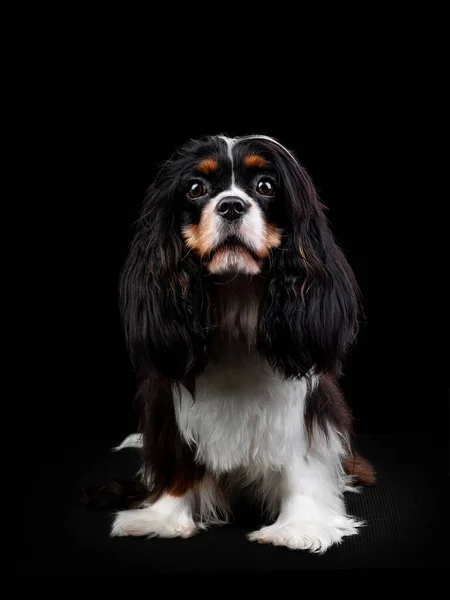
(149, 522)
(315, 537)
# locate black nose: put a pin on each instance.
(231, 208)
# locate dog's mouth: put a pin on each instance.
(233, 242)
(233, 256)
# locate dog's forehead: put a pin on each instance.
(217, 154)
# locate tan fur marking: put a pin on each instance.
(208, 165)
(360, 469)
(186, 481)
(180, 488)
(254, 160)
(199, 238)
(271, 239)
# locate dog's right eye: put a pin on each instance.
(196, 189)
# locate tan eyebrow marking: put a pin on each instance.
(253, 160)
(208, 165)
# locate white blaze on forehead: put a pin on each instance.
(230, 143)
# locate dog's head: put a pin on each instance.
(238, 206)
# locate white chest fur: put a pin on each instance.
(244, 415)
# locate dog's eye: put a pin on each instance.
(266, 187)
(196, 190)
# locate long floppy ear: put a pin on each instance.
(309, 309)
(163, 307)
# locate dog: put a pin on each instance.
(238, 309)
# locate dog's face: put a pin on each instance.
(231, 213)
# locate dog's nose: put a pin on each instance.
(231, 208)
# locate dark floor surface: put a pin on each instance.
(404, 514)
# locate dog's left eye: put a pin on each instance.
(266, 187)
(196, 189)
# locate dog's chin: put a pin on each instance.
(233, 260)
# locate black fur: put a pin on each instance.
(167, 461)
(164, 308)
(325, 405)
(166, 319)
(309, 309)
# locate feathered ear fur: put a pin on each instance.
(309, 309)
(164, 309)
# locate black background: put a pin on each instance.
(92, 144)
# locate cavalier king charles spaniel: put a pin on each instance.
(238, 309)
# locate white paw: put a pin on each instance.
(312, 536)
(152, 523)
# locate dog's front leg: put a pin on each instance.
(312, 514)
(170, 516)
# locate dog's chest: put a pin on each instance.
(244, 415)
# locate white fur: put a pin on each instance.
(230, 143)
(133, 440)
(252, 226)
(312, 512)
(233, 190)
(243, 415)
(168, 517)
(232, 261)
(211, 504)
